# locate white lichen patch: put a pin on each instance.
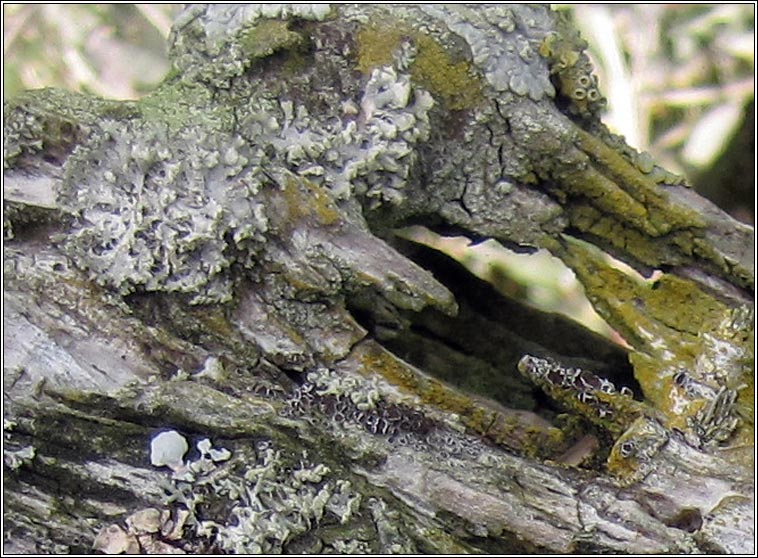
(351, 546)
(364, 394)
(265, 500)
(212, 369)
(207, 450)
(173, 528)
(394, 117)
(310, 474)
(164, 213)
(344, 502)
(206, 463)
(720, 358)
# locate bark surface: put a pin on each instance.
(215, 340)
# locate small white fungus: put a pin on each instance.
(168, 448)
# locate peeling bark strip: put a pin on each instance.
(215, 343)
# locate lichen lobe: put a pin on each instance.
(154, 213)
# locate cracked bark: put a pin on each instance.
(295, 330)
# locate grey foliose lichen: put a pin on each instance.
(272, 502)
(160, 212)
(22, 132)
(49, 120)
(504, 43)
(377, 149)
(386, 521)
(367, 150)
(222, 28)
(178, 209)
(164, 210)
(222, 20)
(367, 142)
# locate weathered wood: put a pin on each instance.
(218, 259)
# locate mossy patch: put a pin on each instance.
(454, 82)
(275, 39)
(267, 37)
(506, 430)
(674, 327)
(448, 79)
(178, 104)
(616, 233)
(615, 187)
(682, 306)
(307, 200)
(377, 46)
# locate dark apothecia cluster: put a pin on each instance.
(583, 385)
(379, 417)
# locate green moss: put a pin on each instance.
(502, 429)
(306, 200)
(377, 46)
(454, 82)
(672, 324)
(615, 232)
(178, 104)
(661, 216)
(451, 81)
(173, 74)
(267, 37)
